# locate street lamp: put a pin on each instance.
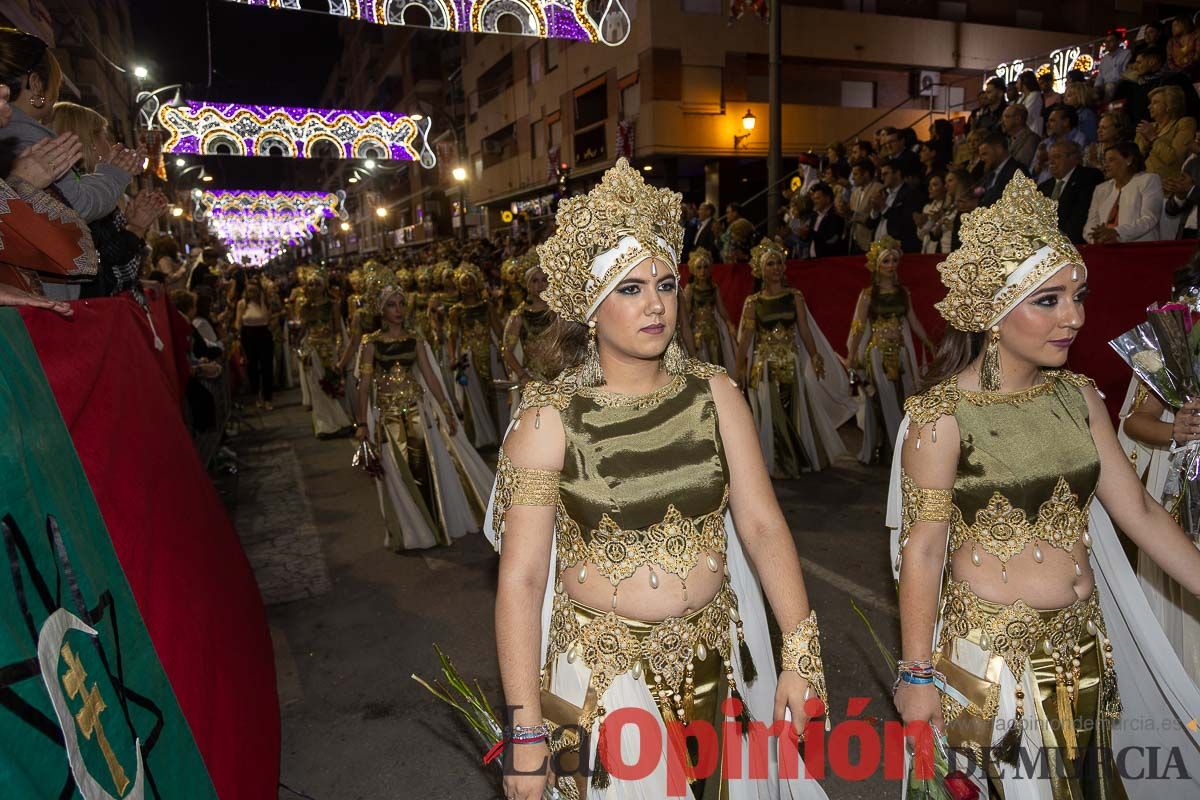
(460, 174)
(345, 226)
(381, 212)
(179, 162)
(748, 123)
(369, 163)
(176, 212)
(141, 73)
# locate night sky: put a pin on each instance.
(259, 55)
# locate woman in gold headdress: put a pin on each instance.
(527, 341)
(512, 278)
(1025, 635)
(708, 322)
(881, 350)
(319, 353)
(472, 331)
(434, 485)
(799, 393)
(622, 488)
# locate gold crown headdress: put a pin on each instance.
(425, 272)
(602, 235)
(761, 251)
(1009, 249)
(468, 270)
(512, 270)
(383, 293)
(405, 277)
(441, 268)
(880, 246)
(699, 255)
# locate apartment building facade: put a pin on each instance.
(548, 116)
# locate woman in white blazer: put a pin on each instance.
(1031, 98)
(1129, 205)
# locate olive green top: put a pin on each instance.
(889, 304)
(1021, 444)
(774, 311)
(390, 352)
(629, 459)
(703, 296)
(534, 323)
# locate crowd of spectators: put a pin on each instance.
(1117, 148)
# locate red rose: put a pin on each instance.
(961, 787)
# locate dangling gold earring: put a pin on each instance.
(674, 360)
(989, 372)
(591, 373)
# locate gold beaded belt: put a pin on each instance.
(664, 652)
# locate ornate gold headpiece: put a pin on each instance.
(1009, 249)
(604, 234)
(425, 272)
(699, 255)
(468, 270)
(878, 247)
(405, 277)
(441, 269)
(761, 251)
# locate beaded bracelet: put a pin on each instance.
(528, 734)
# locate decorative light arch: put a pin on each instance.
(548, 19)
(257, 225)
(198, 128)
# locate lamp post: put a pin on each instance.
(748, 123)
(775, 155)
(460, 176)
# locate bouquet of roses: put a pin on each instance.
(1164, 352)
(472, 704)
(331, 383)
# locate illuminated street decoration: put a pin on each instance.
(243, 130)
(256, 226)
(1081, 57)
(546, 19)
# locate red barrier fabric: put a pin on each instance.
(120, 397)
(1124, 279)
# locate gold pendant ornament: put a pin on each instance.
(989, 371)
(591, 373)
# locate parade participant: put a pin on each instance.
(881, 350)
(445, 296)
(472, 332)
(362, 318)
(420, 303)
(406, 279)
(512, 278)
(799, 392)
(632, 488)
(1148, 433)
(527, 344)
(296, 301)
(1027, 608)
(711, 332)
(434, 485)
(319, 354)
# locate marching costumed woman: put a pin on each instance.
(434, 485)
(319, 354)
(881, 349)
(527, 340)
(711, 331)
(472, 331)
(1024, 632)
(632, 489)
(1148, 432)
(798, 391)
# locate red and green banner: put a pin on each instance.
(135, 659)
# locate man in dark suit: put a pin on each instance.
(999, 166)
(704, 236)
(895, 207)
(822, 236)
(1072, 186)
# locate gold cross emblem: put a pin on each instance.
(88, 718)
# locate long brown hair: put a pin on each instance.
(563, 345)
(956, 350)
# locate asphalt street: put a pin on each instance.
(351, 621)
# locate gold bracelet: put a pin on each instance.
(802, 653)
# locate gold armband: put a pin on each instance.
(802, 653)
(520, 486)
(856, 327)
(366, 369)
(925, 505)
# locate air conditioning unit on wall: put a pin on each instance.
(924, 83)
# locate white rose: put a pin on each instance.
(1148, 360)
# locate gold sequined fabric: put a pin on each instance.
(774, 336)
(665, 653)
(397, 390)
(802, 653)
